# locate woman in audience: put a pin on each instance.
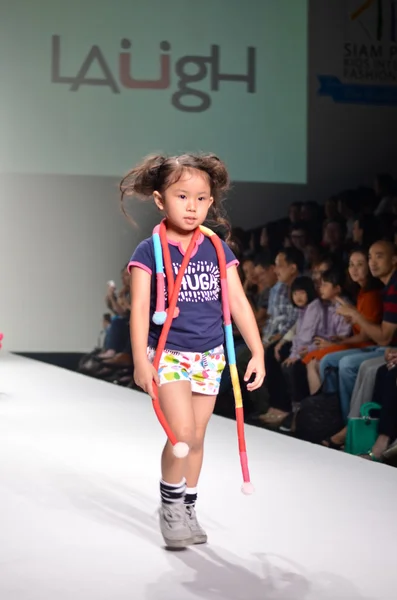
(318, 324)
(366, 290)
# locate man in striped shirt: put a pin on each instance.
(339, 369)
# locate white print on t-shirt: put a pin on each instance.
(200, 282)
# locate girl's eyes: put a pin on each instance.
(183, 197)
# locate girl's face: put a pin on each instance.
(300, 298)
(328, 291)
(357, 233)
(186, 203)
(358, 268)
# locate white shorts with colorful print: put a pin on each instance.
(203, 369)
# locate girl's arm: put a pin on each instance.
(144, 372)
(244, 318)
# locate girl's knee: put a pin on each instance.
(198, 440)
(185, 434)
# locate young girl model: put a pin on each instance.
(186, 189)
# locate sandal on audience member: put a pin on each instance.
(274, 419)
(288, 424)
(329, 443)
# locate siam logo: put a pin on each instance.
(203, 67)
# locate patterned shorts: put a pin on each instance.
(203, 370)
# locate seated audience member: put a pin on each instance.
(346, 204)
(385, 395)
(338, 370)
(278, 357)
(249, 280)
(318, 268)
(385, 189)
(334, 234)
(313, 255)
(282, 315)
(266, 278)
(120, 304)
(365, 231)
(367, 293)
(289, 264)
(294, 212)
(331, 208)
(298, 236)
(319, 325)
(103, 340)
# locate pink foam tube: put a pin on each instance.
(160, 292)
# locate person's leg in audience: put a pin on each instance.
(348, 366)
(348, 369)
(329, 366)
(365, 383)
(313, 376)
(339, 370)
(385, 393)
(277, 385)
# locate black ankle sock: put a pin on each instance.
(172, 493)
(191, 496)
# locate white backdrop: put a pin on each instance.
(62, 238)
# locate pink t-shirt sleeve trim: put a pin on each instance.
(134, 263)
(232, 263)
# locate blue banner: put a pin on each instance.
(356, 93)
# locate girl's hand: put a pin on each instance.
(144, 375)
(256, 365)
(303, 351)
(277, 349)
(290, 361)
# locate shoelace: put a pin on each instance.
(191, 513)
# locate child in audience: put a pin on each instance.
(302, 293)
(367, 292)
(320, 324)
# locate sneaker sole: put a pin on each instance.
(200, 540)
(178, 543)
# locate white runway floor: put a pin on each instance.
(79, 468)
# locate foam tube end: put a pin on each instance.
(159, 318)
(247, 488)
(180, 450)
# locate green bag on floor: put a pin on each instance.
(362, 431)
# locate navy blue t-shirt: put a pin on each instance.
(199, 326)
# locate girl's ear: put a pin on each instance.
(158, 200)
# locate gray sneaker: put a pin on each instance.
(174, 525)
(197, 532)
